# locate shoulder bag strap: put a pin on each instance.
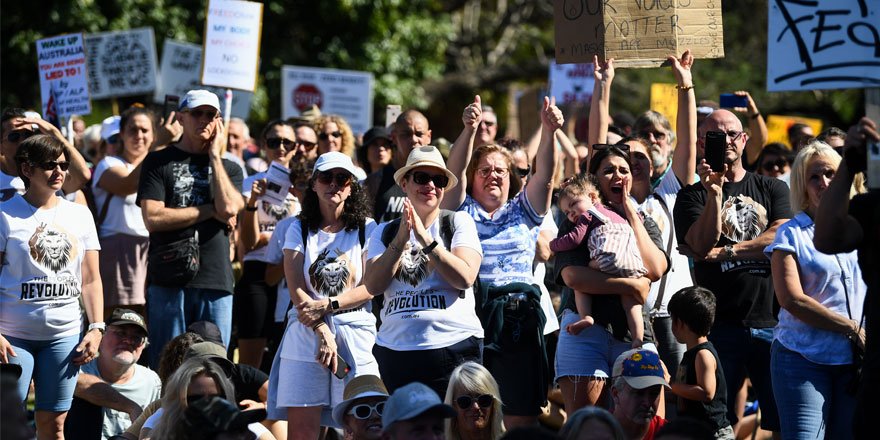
(660, 292)
(103, 214)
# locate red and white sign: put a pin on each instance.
(305, 96)
(64, 85)
(571, 82)
(346, 93)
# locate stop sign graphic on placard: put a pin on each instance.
(305, 96)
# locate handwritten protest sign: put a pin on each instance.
(64, 84)
(664, 100)
(637, 33)
(347, 93)
(121, 63)
(232, 44)
(179, 73)
(777, 127)
(823, 44)
(571, 82)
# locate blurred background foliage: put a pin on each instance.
(429, 54)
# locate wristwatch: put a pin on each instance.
(429, 248)
(100, 326)
(334, 305)
(729, 253)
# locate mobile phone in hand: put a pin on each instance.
(172, 102)
(342, 368)
(716, 144)
(729, 100)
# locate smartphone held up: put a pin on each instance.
(716, 145)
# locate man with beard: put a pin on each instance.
(656, 129)
(360, 414)
(639, 378)
(114, 381)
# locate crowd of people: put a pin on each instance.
(391, 289)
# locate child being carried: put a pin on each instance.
(612, 246)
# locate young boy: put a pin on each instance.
(612, 245)
(699, 383)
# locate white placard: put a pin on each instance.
(232, 44)
(571, 82)
(121, 63)
(63, 78)
(824, 44)
(179, 73)
(277, 184)
(346, 93)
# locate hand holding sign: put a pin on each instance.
(473, 114)
(603, 71)
(681, 68)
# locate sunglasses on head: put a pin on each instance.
(198, 114)
(19, 135)
(771, 164)
(364, 411)
(341, 179)
(523, 172)
(276, 143)
(325, 136)
(484, 401)
(422, 178)
(50, 165)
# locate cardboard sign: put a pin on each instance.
(64, 84)
(232, 44)
(823, 44)
(346, 93)
(179, 73)
(664, 100)
(121, 63)
(571, 83)
(777, 127)
(636, 33)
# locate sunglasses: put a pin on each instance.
(364, 411)
(422, 178)
(196, 397)
(276, 143)
(621, 147)
(484, 401)
(524, 172)
(19, 135)
(486, 171)
(50, 165)
(325, 136)
(658, 135)
(306, 144)
(326, 177)
(135, 337)
(771, 164)
(198, 114)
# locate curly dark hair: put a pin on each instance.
(174, 353)
(356, 208)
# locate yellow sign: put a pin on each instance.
(777, 126)
(664, 100)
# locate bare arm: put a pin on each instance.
(120, 181)
(379, 270)
(293, 263)
(460, 154)
(706, 230)
(652, 257)
(459, 267)
(249, 233)
(684, 157)
(540, 187)
(757, 128)
(93, 303)
(274, 273)
(704, 390)
(569, 153)
(94, 390)
(227, 199)
(158, 218)
(594, 282)
(542, 248)
(600, 103)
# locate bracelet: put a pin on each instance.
(250, 208)
(318, 325)
(685, 87)
(100, 326)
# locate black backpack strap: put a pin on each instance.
(362, 232)
(103, 214)
(389, 231)
(447, 227)
(304, 231)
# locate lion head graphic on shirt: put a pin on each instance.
(51, 248)
(413, 266)
(330, 276)
(742, 218)
(277, 212)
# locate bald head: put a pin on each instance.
(726, 122)
(720, 118)
(410, 131)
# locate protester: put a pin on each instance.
(487, 131)
(306, 141)
(189, 195)
(724, 222)
(238, 137)
(334, 134)
(376, 151)
(834, 137)
(251, 384)
(593, 422)
(821, 318)
(798, 135)
(636, 390)
(360, 414)
(49, 258)
(114, 381)
(775, 161)
(474, 394)
(415, 412)
(425, 267)
(124, 237)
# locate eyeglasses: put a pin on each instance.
(734, 135)
(364, 411)
(196, 397)
(658, 135)
(50, 165)
(484, 401)
(770, 165)
(276, 143)
(325, 136)
(326, 177)
(133, 336)
(524, 172)
(422, 178)
(19, 135)
(489, 123)
(486, 171)
(308, 146)
(198, 114)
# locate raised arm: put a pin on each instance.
(757, 128)
(379, 270)
(227, 199)
(705, 232)
(249, 233)
(78, 173)
(460, 154)
(539, 189)
(684, 158)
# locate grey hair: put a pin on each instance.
(575, 422)
(247, 131)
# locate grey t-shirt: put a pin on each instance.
(143, 388)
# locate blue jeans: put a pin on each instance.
(50, 364)
(171, 309)
(812, 398)
(745, 351)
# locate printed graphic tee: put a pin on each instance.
(41, 276)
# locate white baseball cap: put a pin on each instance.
(198, 98)
(110, 127)
(335, 159)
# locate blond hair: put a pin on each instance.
(344, 128)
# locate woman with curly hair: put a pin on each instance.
(334, 134)
(323, 265)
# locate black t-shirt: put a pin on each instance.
(182, 180)
(389, 197)
(865, 208)
(743, 288)
(713, 412)
(607, 309)
(247, 381)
